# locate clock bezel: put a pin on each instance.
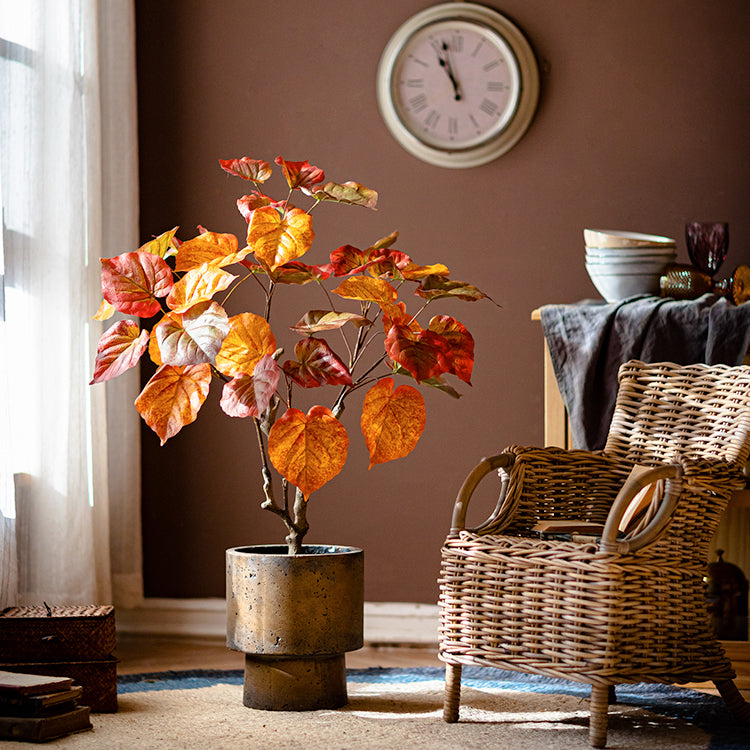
(497, 143)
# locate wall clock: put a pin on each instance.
(458, 84)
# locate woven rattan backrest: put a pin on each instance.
(664, 411)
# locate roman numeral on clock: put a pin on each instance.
(418, 102)
(432, 119)
(488, 107)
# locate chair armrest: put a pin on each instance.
(673, 476)
(534, 479)
(696, 492)
(484, 467)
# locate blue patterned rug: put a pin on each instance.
(707, 712)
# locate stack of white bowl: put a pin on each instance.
(624, 264)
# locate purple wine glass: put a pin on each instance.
(707, 244)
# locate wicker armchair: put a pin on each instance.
(623, 607)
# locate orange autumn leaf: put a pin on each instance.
(277, 239)
(392, 421)
(367, 288)
(214, 248)
(105, 311)
(153, 347)
(198, 285)
(413, 271)
(249, 338)
(308, 450)
(173, 397)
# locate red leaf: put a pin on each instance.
(348, 259)
(388, 263)
(317, 364)
(255, 170)
(460, 341)
(296, 272)
(249, 395)
(423, 353)
(300, 174)
(248, 203)
(119, 349)
(437, 286)
(132, 283)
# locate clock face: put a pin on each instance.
(458, 84)
(455, 84)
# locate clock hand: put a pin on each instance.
(446, 66)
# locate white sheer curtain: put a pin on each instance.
(69, 484)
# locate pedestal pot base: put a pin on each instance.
(295, 617)
(295, 684)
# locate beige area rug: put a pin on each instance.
(380, 715)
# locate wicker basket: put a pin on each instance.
(37, 634)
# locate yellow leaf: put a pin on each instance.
(105, 311)
(277, 239)
(249, 338)
(308, 450)
(164, 245)
(413, 271)
(198, 285)
(172, 398)
(210, 247)
(392, 421)
(367, 288)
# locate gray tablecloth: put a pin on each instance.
(589, 340)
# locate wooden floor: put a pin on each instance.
(155, 654)
(139, 654)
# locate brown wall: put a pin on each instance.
(642, 125)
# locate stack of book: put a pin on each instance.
(38, 708)
(74, 641)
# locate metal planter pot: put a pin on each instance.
(295, 617)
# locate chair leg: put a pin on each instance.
(737, 705)
(598, 718)
(452, 692)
